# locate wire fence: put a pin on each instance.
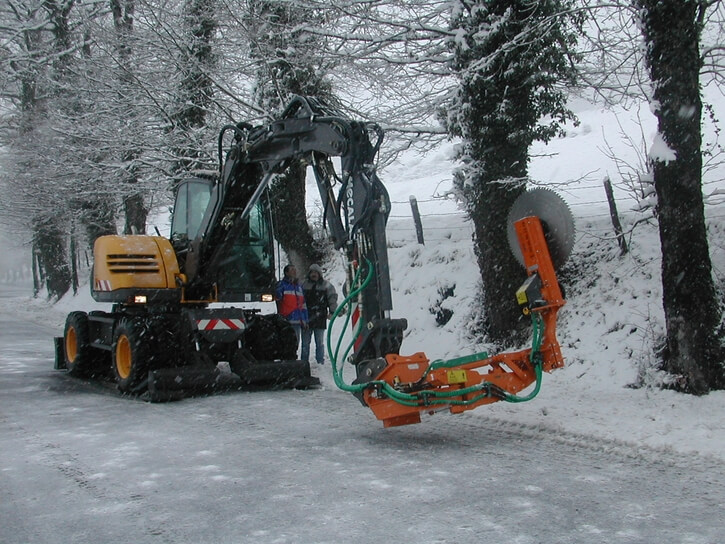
(591, 215)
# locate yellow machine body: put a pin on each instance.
(135, 265)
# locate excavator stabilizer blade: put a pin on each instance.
(167, 384)
(276, 374)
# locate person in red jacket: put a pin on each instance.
(290, 300)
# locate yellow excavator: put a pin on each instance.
(166, 332)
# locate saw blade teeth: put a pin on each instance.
(556, 218)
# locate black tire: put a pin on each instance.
(288, 342)
(240, 362)
(80, 358)
(170, 344)
(131, 355)
(271, 337)
(202, 359)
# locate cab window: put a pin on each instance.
(192, 200)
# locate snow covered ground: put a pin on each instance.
(608, 330)
(81, 464)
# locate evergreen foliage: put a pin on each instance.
(513, 60)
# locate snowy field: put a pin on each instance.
(594, 458)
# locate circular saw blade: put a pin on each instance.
(556, 220)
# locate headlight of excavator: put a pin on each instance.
(139, 299)
(266, 297)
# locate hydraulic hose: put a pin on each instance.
(535, 357)
(426, 397)
(334, 356)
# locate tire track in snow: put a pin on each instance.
(133, 505)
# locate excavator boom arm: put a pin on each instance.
(356, 202)
(397, 388)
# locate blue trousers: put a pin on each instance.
(319, 344)
(298, 333)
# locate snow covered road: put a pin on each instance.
(81, 464)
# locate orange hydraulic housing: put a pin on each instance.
(135, 270)
(511, 372)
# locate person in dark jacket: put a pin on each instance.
(321, 300)
(290, 300)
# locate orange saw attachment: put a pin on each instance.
(401, 388)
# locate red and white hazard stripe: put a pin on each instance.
(103, 285)
(219, 324)
(355, 315)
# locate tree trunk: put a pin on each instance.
(501, 274)
(97, 211)
(136, 214)
(50, 237)
(196, 90)
(288, 64)
(290, 218)
(98, 218)
(74, 263)
(37, 271)
(50, 245)
(134, 206)
(511, 58)
(692, 314)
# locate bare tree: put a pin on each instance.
(286, 56)
(37, 57)
(389, 61)
(672, 31)
(136, 211)
(190, 110)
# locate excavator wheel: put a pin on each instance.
(287, 338)
(80, 358)
(130, 355)
(270, 337)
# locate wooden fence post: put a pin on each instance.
(416, 219)
(615, 216)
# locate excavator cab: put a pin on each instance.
(192, 200)
(245, 268)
